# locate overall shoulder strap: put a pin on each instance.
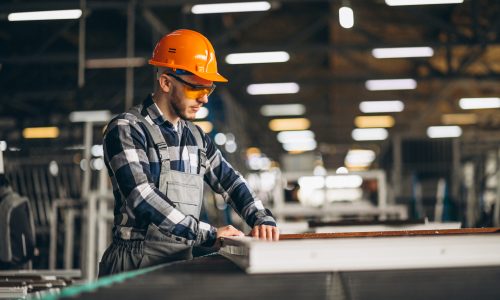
(154, 131)
(201, 146)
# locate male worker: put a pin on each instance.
(157, 160)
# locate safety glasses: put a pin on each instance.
(194, 91)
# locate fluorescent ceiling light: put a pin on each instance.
(45, 15)
(435, 132)
(343, 181)
(374, 121)
(359, 158)
(420, 2)
(218, 8)
(202, 113)
(311, 182)
(90, 116)
(346, 17)
(391, 84)
(479, 103)
(289, 124)
(459, 119)
(282, 110)
(205, 125)
(295, 136)
(111, 63)
(369, 134)
(273, 88)
(381, 106)
(300, 146)
(41, 132)
(402, 52)
(257, 57)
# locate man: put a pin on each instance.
(157, 160)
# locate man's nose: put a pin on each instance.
(203, 99)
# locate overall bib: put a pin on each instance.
(184, 189)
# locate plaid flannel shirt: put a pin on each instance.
(134, 168)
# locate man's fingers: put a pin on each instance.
(276, 234)
(255, 232)
(269, 230)
(263, 233)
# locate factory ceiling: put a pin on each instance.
(40, 82)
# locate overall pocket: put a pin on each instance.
(162, 247)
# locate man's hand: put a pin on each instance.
(226, 231)
(266, 232)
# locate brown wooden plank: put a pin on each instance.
(388, 233)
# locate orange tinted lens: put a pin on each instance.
(197, 93)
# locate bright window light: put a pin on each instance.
(343, 181)
(369, 134)
(205, 125)
(202, 113)
(402, 52)
(295, 136)
(257, 57)
(435, 132)
(218, 8)
(289, 124)
(374, 121)
(359, 158)
(282, 110)
(459, 119)
(391, 84)
(273, 88)
(300, 146)
(41, 133)
(420, 2)
(346, 17)
(45, 15)
(386, 106)
(479, 103)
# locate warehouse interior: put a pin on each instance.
(354, 116)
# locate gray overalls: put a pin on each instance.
(184, 189)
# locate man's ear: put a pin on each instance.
(164, 83)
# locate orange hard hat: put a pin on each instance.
(187, 50)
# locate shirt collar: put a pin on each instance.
(156, 115)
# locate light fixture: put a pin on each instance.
(385, 106)
(359, 158)
(90, 116)
(346, 17)
(202, 113)
(343, 181)
(391, 84)
(311, 182)
(402, 52)
(295, 136)
(205, 125)
(420, 2)
(369, 134)
(289, 124)
(479, 103)
(220, 138)
(257, 57)
(45, 15)
(218, 8)
(459, 119)
(271, 110)
(273, 88)
(435, 132)
(342, 170)
(374, 121)
(300, 146)
(41, 132)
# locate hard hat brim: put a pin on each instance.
(216, 77)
